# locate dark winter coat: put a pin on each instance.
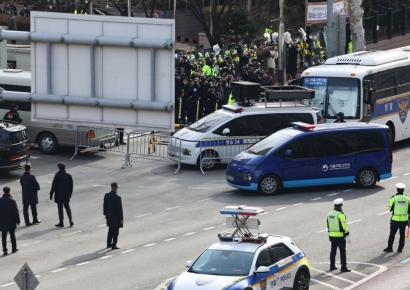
(29, 188)
(112, 208)
(9, 213)
(62, 187)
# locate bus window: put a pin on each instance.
(403, 80)
(384, 83)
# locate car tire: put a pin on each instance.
(301, 281)
(391, 132)
(48, 144)
(366, 177)
(269, 185)
(212, 162)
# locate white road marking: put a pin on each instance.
(280, 208)
(347, 190)
(359, 273)
(38, 276)
(405, 261)
(9, 284)
(325, 284)
(151, 187)
(332, 194)
(393, 177)
(149, 245)
(378, 272)
(105, 257)
(408, 173)
(199, 188)
(207, 229)
(99, 185)
(265, 212)
(356, 221)
(317, 198)
(171, 208)
(34, 157)
(203, 199)
(145, 214)
(382, 213)
(100, 226)
(84, 263)
(322, 231)
(190, 234)
(298, 203)
(73, 233)
(31, 243)
(127, 251)
(170, 239)
(332, 275)
(58, 270)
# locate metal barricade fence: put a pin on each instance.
(155, 145)
(216, 150)
(142, 144)
(101, 139)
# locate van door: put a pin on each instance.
(295, 169)
(334, 156)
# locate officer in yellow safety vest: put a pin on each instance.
(231, 100)
(207, 70)
(338, 231)
(399, 205)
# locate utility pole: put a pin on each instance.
(249, 5)
(129, 8)
(175, 9)
(281, 71)
(329, 42)
(210, 18)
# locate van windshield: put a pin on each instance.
(208, 122)
(264, 146)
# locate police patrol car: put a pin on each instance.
(242, 259)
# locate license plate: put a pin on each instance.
(230, 178)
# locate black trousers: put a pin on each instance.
(12, 238)
(393, 231)
(60, 206)
(341, 244)
(112, 237)
(33, 212)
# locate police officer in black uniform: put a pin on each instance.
(13, 115)
(340, 117)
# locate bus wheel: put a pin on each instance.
(366, 177)
(269, 185)
(391, 132)
(47, 143)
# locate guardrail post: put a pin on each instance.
(200, 156)
(389, 23)
(403, 19)
(180, 155)
(376, 27)
(127, 161)
(76, 145)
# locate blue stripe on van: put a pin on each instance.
(319, 181)
(253, 186)
(387, 175)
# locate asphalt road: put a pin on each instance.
(170, 219)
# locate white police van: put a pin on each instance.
(241, 259)
(223, 134)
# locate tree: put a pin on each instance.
(215, 11)
(356, 24)
(238, 22)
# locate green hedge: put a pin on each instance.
(23, 23)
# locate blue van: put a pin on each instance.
(309, 155)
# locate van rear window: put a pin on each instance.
(369, 141)
(18, 137)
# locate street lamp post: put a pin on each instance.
(281, 71)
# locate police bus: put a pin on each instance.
(48, 136)
(371, 86)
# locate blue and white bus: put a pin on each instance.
(370, 86)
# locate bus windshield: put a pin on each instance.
(334, 95)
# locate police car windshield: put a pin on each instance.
(264, 146)
(208, 122)
(223, 262)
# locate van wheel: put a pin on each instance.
(301, 281)
(366, 177)
(209, 160)
(269, 185)
(47, 143)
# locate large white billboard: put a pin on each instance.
(103, 70)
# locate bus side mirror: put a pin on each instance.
(226, 131)
(368, 96)
(288, 153)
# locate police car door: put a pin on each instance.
(283, 267)
(263, 281)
